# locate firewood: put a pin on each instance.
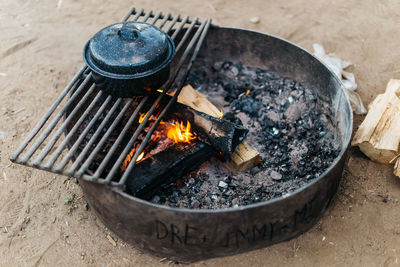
(196, 100)
(397, 167)
(167, 166)
(213, 135)
(379, 134)
(223, 135)
(244, 156)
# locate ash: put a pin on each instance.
(288, 124)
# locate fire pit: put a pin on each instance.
(183, 230)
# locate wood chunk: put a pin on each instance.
(167, 166)
(196, 100)
(244, 156)
(379, 134)
(397, 167)
(222, 135)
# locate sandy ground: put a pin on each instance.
(40, 50)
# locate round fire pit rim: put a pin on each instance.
(345, 146)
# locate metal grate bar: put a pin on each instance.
(200, 32)
(54, 122)
(156, 17)
(165, 19)
(60, 130)
(103, 140)
(162, 17)
(147, 16)
(94, 137)
(73, 149)
(130, 12)
(71, 133)
(42, 122)
(83, 142)
(124, 131)
(140, 13)
(134, 137)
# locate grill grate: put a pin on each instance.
(47, 138)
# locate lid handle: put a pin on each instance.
(129, 33)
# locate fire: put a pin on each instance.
(143, 115)
(140, 157)
(175, 131)
(180, 133)
(129, 158)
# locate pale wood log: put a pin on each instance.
(244, 156)
(196, 100)
(379, 135)
(397, 167)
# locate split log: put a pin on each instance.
(213, 135)
(167, 166)
(223, 135)
(397, 167)
(379, 134)
(244, 157)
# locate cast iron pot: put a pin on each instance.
(129, 58)
(189, 235)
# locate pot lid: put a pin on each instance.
(128, 50)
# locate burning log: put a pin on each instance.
(167, 166)
(224, 136)
(211, 136)
(244, 157)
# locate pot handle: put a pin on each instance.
(129, 33)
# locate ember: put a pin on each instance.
(143, 115)
(175, 131)
(289, 125)
(129, 158)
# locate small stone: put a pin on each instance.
(255, 20)
(214, 197)
(156, 199)
(111, 240)
(275, 131)
(322, 133)
(222, 184)
(196, 204)
(276, 175)
(218, 65)
(290, 99)
(227, 179)
(86, 206)
(235, 71)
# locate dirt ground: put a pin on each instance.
(40, 50)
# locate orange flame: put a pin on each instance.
(129, 158)
(180, 133)
(175, 131)
(140, 157)
(143, 115)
